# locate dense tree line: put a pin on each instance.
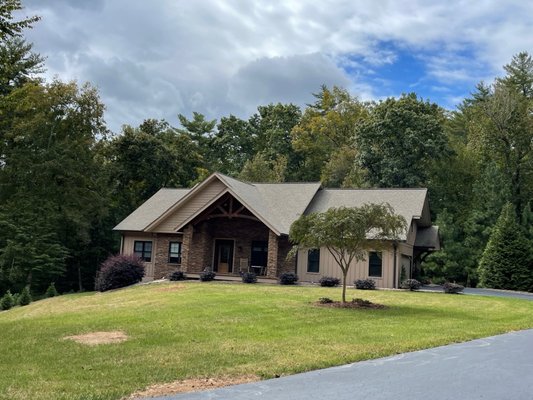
(66, 180)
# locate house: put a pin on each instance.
(232, 226)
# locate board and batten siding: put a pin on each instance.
(193, 204)
(128, 241)
(358, 270)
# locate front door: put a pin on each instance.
(223, 263)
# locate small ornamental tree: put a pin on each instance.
(505, 261)
(348, 233)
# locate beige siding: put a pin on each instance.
(359, 270)
(191, 206)
(128, 243)
(411, 233)
(405, 255)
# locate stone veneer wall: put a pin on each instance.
(201, 248)
(284, 264)
(162, 268)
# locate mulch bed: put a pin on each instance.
(354, 304)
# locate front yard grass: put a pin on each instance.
(192, 329)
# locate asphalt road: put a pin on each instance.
(487, 292)
(494, 368)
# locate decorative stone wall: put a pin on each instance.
(272, 263)
(284, 264)
(162, 268)
(186, 247)
(201, 248)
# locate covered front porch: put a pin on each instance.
(229, 239)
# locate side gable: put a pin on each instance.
(151, 209)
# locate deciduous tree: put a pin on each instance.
(348, 233)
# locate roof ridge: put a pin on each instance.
(231, 177)
(346, 189)
(287, 183)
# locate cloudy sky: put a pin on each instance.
(155, 59)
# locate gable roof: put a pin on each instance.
(409, 203)
(151, 209)
(277, 205)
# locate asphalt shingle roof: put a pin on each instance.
(151, 209)
(280, 204)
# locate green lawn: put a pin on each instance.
(216, 329)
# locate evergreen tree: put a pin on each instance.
(7, 301)
(506, 260)
(25, 296)
(51, 291)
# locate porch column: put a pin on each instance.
(272, 260)
(186, 248)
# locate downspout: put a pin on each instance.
(395, 282)
(122, 243)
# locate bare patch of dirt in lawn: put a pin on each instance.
(95, 338)
(191, 385)
(355, 303)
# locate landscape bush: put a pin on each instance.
(325, 300)
(25, 297)
(365, 284)
(452, 288)
(207, 275)
(411, 284)
(362, 302)
(329, 281)
(51, 291)
(119, 271)
(288, 278)
(177, 276)
(7, 302)
(249, 277)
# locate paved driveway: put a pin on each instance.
(486, 292)
(494, 368)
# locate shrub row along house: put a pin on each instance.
(231, 226)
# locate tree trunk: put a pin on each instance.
(344, 275)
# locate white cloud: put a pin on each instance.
(158, 59)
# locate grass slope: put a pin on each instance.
(182, 330)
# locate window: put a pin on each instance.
(313, 260)
(174, 252)
(143, 250)
(259, 253)
(375, 264)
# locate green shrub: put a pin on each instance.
(362, 302)
(207, 275)
(325, 300)
(177, 276)
(288, 278)
(119, 271)
(365, 284)
(452, 288)
(7, 302)
(411, 284)
(25, 297)
(249, 277)
(329, 281)
(51, 291)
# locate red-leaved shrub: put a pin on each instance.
(119, 271)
